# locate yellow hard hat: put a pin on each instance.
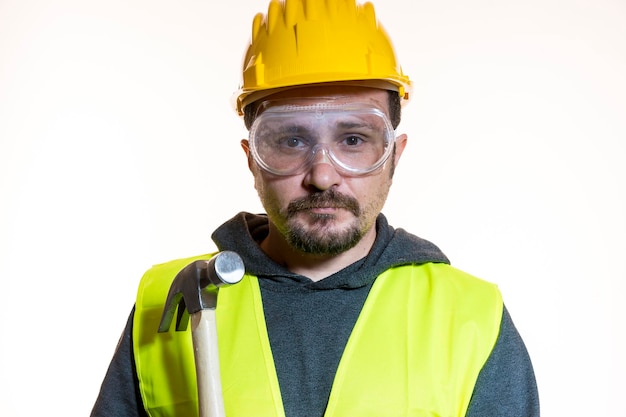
(301, 42)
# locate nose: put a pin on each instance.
(322, 174)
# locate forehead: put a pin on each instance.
(338, 95)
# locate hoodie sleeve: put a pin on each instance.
(119, 394)
(506, 385)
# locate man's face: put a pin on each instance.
(323, 210)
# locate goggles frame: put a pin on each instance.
(318, 110)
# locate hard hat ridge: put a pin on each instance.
(294, 12)
(304, 42)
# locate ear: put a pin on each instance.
(400, 145)
(245, 145)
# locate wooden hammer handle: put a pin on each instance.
(204, 337)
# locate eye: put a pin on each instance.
(289, 144)
(353, 140)
(293, 142)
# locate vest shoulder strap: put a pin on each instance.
(164, 361)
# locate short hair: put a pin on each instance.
(395, 110)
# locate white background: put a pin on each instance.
(119, 149)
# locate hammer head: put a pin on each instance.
(195, 287)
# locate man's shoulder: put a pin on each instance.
(156, 280)
(407, 247)
(180, 262)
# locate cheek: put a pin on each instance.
(373, 194)
(261, 188)
(262, 183)
(273, 192)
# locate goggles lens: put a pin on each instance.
(286, 140)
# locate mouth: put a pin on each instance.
(325, 211)
(326, 203)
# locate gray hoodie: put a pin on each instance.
(309, 324)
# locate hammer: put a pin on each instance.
(194, 293)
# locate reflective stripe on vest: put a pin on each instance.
(422, 337)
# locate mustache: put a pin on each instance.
(327, 198)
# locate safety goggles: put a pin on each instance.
(287, 139)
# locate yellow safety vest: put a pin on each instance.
(423, 336)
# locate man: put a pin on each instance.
(339, 313)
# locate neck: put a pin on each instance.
(315, 267)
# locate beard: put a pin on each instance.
(319, 238)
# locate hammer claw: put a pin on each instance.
(195, 287)
(182, 319)
(172, 302)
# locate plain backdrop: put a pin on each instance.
(119, 149)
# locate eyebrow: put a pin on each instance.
(302, 128)
(352, 125)
(293, 126)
